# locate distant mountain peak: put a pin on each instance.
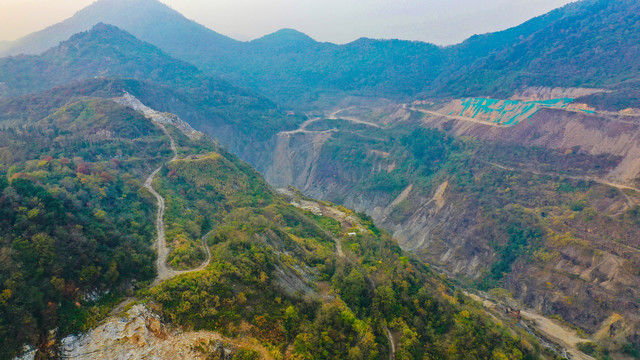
(106, 27)
(284, 37)
(105, 34)
(131, 5)
(293, 33)
(148, 20)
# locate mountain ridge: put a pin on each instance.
(149, 20)
(242, 119)
(291, 68)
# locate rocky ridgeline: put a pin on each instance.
(164, 118)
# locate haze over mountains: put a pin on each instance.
(509, 162)
(286, 64)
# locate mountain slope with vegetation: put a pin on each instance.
(300, 284)
(594, 45)
(242, 120)
(588, 43)
(78, 230)
(488, 205)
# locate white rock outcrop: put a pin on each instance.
(164, 118)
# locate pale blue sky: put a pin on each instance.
(340, 21)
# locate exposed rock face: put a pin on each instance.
(132, 102)
(596, 134)
(295, 156)
(548, 93)
(140, 334)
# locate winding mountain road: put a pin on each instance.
(332, 116)
(164, 271)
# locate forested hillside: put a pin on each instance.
(78, 229)
(588, 43)
(108, 60)
(595, 45)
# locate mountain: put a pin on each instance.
(243, 120)
(285, 38)
(479, 46)
(296, 70)
(278, 65)
(148, 20)
(241, 262)
(101, 52)
(587, 43)
(593, 43)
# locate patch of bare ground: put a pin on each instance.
(551, 330)
(141, 334)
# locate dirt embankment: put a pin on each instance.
(557, 129)
(550, 329)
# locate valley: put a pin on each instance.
(432, 212)
(256, 246)
(167, 189)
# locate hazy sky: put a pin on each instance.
(340, 21)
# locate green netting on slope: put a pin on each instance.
(507, 112)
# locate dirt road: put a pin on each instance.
(456, 117)
(164, 271)
(620, 187)
(334, 116)
(558, 334)
(550, 329)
